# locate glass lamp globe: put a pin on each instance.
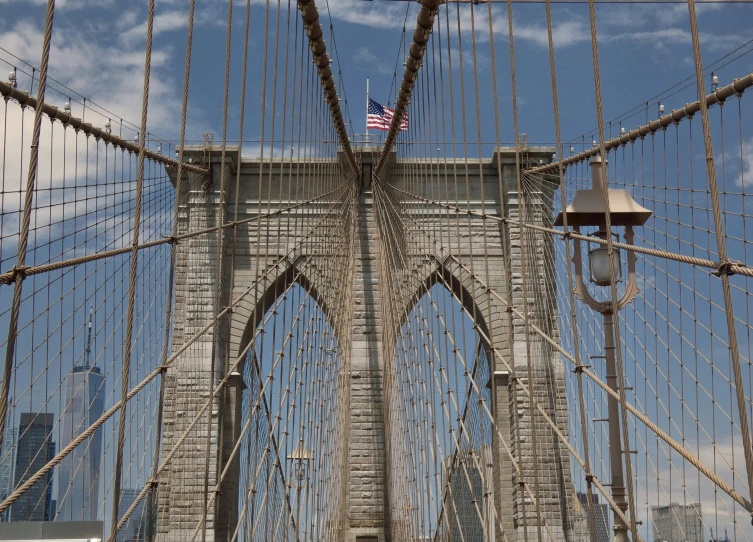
(598, 261)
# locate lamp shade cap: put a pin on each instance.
(301, 453)
(587, 209)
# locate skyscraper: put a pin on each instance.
(678, 522)
(135, 530)
(601, 517)
(7, 457)
(465, 497)
(78, 474)
(35, 449)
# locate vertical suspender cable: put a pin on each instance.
(218, 276)
(170, 285)
(505, 242)
(570, 283)
(524, 283)
(132, 280)
(724, 267)
(424, 23)
(614, 316)
(23, 239)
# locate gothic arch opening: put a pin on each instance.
(259, 306)
(440, 409)
(290, 418)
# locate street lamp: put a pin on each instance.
(300, 458)
(587, 209)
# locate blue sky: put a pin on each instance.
(644, 49)
(98, 53)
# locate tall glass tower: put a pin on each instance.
(7, 460)
(35, 450)
(78, 473)
(135, 530)
(465, 500)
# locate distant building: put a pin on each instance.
(678, 523)
(7, 460)
(135, 530)
(719, 538)
(78, 473)
(601, 517)
(35, 449)
(465, 497)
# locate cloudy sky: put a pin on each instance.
(645, 52)
(98, 51)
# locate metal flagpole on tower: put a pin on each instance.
(367, 110)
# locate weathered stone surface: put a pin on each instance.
(259, 248)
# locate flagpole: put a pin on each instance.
(367, 110)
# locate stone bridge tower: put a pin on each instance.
(367, 508)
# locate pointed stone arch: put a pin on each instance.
(250, 311)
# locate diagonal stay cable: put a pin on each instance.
(310, 16)
(424, 24)
(25, 221)
(16, 494)
(688, 455)
(523, 386)
(10, 276)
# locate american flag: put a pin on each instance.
(379, 117)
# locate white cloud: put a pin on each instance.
(738, 161)
(642, 15)
(746, 175)
(373, 14)
(364, 55)
(564, 34)
(163, 22)
(110, 74)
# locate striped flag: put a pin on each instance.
(379, 117)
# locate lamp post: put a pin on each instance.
(587, 209)
(300, 458)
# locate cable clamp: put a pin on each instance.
(580, 368)
(726, 268)
(171, 239)
(154, 484)
(19, 272)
